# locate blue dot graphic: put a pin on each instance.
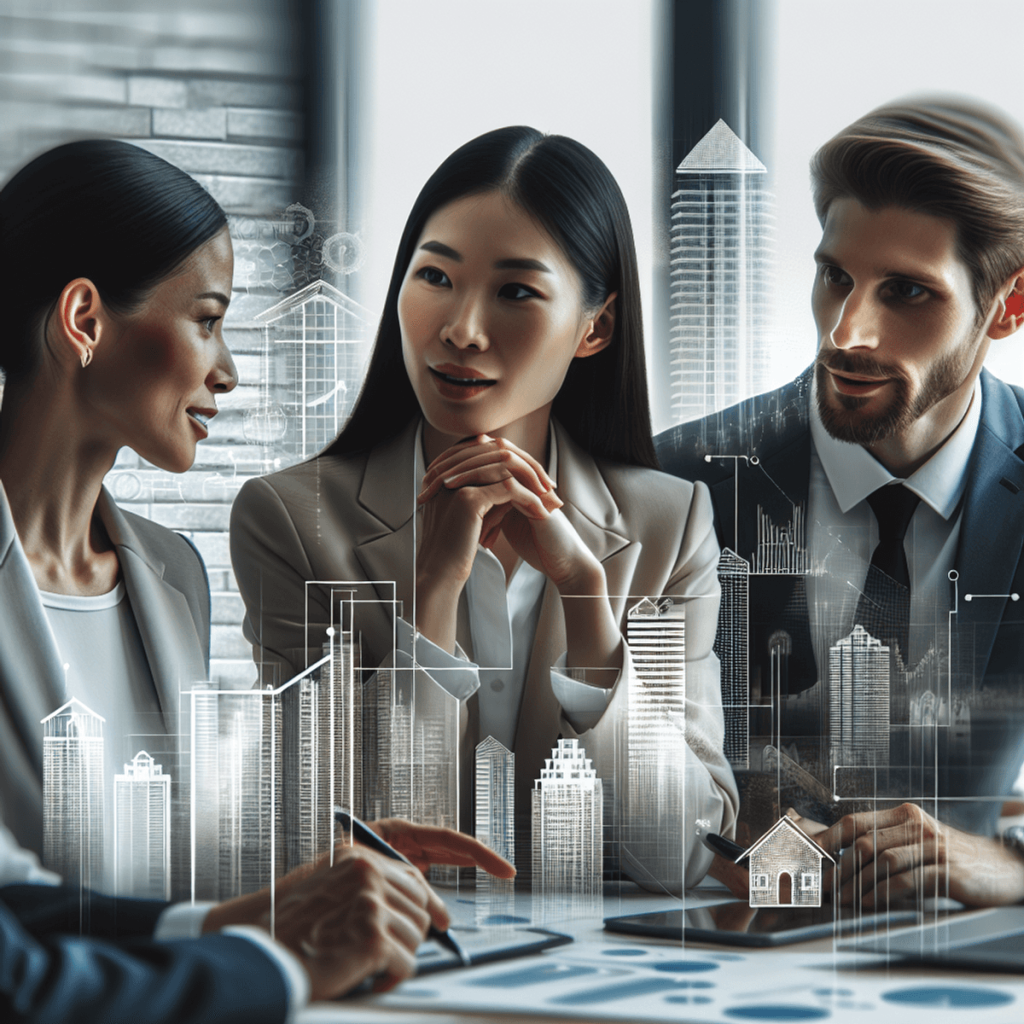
(624, 952)
(773, 1012)
(685, 966)
(949, 997)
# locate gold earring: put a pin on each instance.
(86, 358)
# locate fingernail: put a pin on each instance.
(449, 479)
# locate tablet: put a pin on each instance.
(737, 924)
(486, 945)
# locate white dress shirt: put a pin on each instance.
(843, 532)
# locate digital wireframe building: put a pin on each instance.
(237, 806)
(316, 340)
(858, 695)
(413, 724)
(142, 830)
(720, 265)
(495, 819)
(73, 795)
(322, 719)
(652, 831)
(568, 820)
(732, 648)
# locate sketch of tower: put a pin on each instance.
(322, 716)
(495, 821)
(320, 335)
(142, 830)
(721, 294)
(568, 820)
(653, 831)
(415, 725)
(858, 673)
(73, 794)
(731, 646)
(237, 791)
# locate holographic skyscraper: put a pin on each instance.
(73, 795)
(142, 830)
(495, 820)
(721, 294)
(731, 646)
(568, 823)
(858, 673)
(653, 827)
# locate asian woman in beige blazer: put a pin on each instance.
(496, 485)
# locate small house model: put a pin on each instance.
(785, 850)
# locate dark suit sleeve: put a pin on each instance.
(48, 975)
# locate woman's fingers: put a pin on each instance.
(450, 468)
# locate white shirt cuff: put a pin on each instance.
(295, 978)
(454, 673)
(182, 921)
(582, 704)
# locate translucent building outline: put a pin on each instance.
(142, 830)
(721, 246)
(73, 769)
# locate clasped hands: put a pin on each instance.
(888, 855)
(365, 914)
(485, 487)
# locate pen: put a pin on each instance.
(369, 838)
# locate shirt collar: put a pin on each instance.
(854, 473)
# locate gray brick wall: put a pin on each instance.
(215, 88)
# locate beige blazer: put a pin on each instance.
(352, 518)
(170, 598)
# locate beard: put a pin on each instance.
(842, 415)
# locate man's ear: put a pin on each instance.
(1009, 307)
(78, 322)
(600, 329)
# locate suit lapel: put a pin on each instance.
(161, 612)
(991, 538)
(388, 493)
(31, 674)
(594, 514)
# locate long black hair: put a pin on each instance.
(101, 209)
(568, 190)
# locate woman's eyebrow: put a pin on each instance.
(507, 264)
(216, 296)
(441, 250)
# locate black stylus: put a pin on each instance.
(369, 838)
(725, 847)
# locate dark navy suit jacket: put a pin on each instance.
(776, 428)
(118, 974)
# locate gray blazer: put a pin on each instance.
(170, 598)
(351, 518)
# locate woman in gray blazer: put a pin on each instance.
(494, 502)
(118, 269)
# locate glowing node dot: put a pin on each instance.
(968, 597)
(330, 631)
(953, 575)
(707, 458)
(754, 460)
(1015, 597)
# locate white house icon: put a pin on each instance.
(785, 850)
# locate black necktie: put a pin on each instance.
(884, 607)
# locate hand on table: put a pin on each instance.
(904, 851)
(429, 844)
(363, 916)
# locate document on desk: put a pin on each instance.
(601, 978)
